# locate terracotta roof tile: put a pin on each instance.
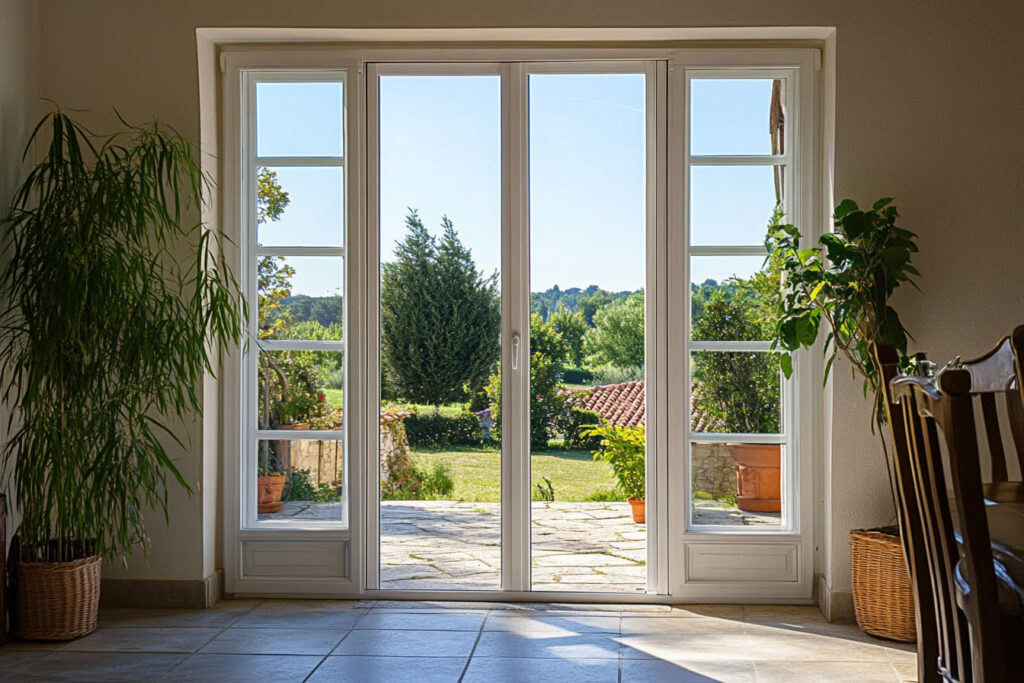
(623, 404)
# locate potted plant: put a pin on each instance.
(845, 283)
(117, 300)
(623, 448)
(739, 392)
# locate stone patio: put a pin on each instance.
(443, 544)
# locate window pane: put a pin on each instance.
(300, 297)
(301, 206)
(734, 116)
(299, 390)
(303, 480)
(736, 392)
(299, 119)
(736, 484)
(730, 298)
(733, 205)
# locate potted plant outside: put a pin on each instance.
(624, 449)
(117, 301)
(740, 392)
(845, 283)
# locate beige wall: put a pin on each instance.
(929, 101)
(17, 103)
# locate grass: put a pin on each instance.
(334, 396)
(574, 475)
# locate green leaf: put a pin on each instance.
(881, 203)
(845, 207)
(786, 363)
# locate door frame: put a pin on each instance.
(666, 536)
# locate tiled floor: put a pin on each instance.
(284, 640)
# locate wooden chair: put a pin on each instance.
(995, 376)
(963, 578)
(911, 531)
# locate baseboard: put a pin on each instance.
(198, 593)
(837, 606)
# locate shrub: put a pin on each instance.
(433, 430)
(624, 449)
(545, 491)
(438, 481)
(573, 423)
(417, 483)
(577, 376)
(299, 487)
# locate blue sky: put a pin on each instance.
(441, 155)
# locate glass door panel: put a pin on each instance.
(588, 227)
(440, 324)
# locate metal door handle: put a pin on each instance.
(515, 351)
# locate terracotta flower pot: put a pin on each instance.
(269, 490)
(758, 474)
(639, 510)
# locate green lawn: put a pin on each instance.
(574, 475)
(333, 397)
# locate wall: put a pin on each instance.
(17, 103)
(928, 108)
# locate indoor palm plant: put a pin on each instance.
(116, 301)
(845, 284)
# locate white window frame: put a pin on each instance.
(354, 548)
(712, 562)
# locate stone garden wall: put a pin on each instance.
(324, 459)
(713, 470)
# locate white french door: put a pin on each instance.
(535, 190)
(685, 153)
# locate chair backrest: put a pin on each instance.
(994, 376)
(931, 655)
(945, 408)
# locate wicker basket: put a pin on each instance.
(57, 600)
(883, 599)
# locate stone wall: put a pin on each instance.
(325, 461)
(713, 470)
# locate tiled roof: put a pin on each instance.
(623, 404)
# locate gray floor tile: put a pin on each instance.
(173, 618)
(389, 669)
(834, 672)
(408, 643)
(224, 668)
(691, 626)
(97, 666)
(555, 624)
(144, 640)
(541, 645)
(430, 621)
(274, 641)
(299, 618)
(644, 670)
(496, 670)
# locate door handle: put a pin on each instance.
(515, 351)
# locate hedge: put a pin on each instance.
(433, 430)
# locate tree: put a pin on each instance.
(548, 352)
(440, 317)
(739, 389)
(618, 335)
(273, 274)
(572, 327)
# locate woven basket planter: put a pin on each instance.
(57, 600)
(883, 599)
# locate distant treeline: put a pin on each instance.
(328, 309)
(574, 299)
